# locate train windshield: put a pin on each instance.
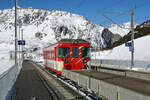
(75, 51)
(63, 52)
(85, 52)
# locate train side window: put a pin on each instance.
(63, 52)
(75, 51)
(50, 55)
(53, 54)
(46, 57)
(85, 52)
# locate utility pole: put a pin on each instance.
(95, 57)
(22, 45)
(90, 52)
(22, 33)
(16, 49)
(132, 38)
(18, 38)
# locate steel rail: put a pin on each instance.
(51, 91)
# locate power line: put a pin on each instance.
(103, 22)
(10, 2)
(111, 20)
(125, 12)
(81, 3)
(113, 5)
(142, 5)
(110, 12)
(142, 17)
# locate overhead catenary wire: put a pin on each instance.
(116, 13)
(114, 4)
(111, 20)
(121, 13)
(138, 18)
(80, 4)
(142, 5)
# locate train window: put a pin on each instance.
(75, 51)
(63, 52)
(45, 57)
(85, 52)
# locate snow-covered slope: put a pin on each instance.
(5, 62)
(142, 51)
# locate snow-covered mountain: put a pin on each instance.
(121, 29)
(42, 27)
(141, 45)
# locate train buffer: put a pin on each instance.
(34, 83)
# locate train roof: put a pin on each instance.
(68, 41)
(72, 41)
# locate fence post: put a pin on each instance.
(87, 83)
(78, 79)
(118, 93)
(99, 88)
(70, 76)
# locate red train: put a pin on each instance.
(70, 54)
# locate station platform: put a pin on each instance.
(118, 85)
(30, 86)
(134, 84)
(112, 86)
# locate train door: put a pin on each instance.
(55, 59)
(75, 57)
(46, 58)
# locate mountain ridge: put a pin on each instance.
(140, 31)
(44, 27)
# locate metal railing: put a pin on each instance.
(7, 80)
(120, 63)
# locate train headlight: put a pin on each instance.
(66, 61)
(85, 61)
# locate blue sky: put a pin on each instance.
(89, 8)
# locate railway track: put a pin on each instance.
(119, 76)
(51, 91)
(79, 92)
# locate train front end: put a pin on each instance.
(74, 53)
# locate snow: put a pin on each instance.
(141, 51)
(120, 29)
(142, 48)
(5, 64)
(79, 25)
